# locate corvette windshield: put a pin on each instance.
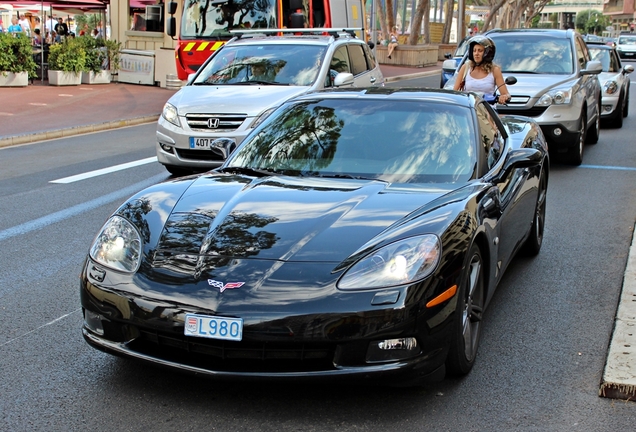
(274, 64)
(393, 141)
(540, 54)
(214, 18)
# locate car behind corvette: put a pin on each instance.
(353, 233)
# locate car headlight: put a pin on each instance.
(555, 97)
(610, 87)
(170, 114)
(118, 245)
(398, 263)
(261, 118)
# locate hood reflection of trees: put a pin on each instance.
(188, 237)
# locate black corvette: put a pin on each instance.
(353, 233)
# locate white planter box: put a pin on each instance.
(59, 78)
(10, 79)
(102, 77)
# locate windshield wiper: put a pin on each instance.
(257, 82)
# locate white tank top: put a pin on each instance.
(484, 85)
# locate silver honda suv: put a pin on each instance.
(557, 85)
(245, 80)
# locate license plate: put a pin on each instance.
(213, 327)
(200, 143)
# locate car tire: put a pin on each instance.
(619, 115)
(177, 171)
(626, 108)
(468, 316)
(595, 131)
(532, 246)
(575, 154)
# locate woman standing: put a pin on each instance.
(479, 74)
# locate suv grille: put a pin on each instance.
(226, 122)
(529, 112)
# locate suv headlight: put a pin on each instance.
(170, 114)
(398, 263)
(556, 97)
(118, 245)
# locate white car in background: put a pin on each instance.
(615, 83)
(245, 80)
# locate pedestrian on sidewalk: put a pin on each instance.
(393, 42)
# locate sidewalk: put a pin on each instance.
(41, 111)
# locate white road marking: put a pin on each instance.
(103, 171)
(42, 326)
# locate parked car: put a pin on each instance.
(556, 85)
(448, 68)
(227, 97)
(626, 46)
(615, 83)
(356, 233)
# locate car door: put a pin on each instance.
(515, 204)
(363, 67)
(588, 82)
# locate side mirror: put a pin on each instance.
(171, 27)
(172, 8)
(449, 65)
(297, 20)
(627, 69)
(343, 79)
(190, 78)
(510, 80)
(224, 146)
(593, 67)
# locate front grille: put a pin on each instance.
(227, 122)
(200, 155)
(528, 112)
(241, 356)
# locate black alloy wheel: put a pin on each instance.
(532, 246)
(469, 315)
(575, 154)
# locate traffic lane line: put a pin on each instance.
(104, 171)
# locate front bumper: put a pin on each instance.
(609, 105)
(173, 145)
(316, 341)
(559, 123)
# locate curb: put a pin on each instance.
(75, 130)
(619, 376)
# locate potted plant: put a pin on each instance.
(16, 60)
(95, 71)
(67, 60)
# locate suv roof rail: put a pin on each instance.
(335, 32)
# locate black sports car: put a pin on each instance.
(352, 233)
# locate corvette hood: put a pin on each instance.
(283, 218)
(232, 99)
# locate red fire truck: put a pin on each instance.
(206, 24)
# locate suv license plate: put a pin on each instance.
(213, 327)
(200, 143)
